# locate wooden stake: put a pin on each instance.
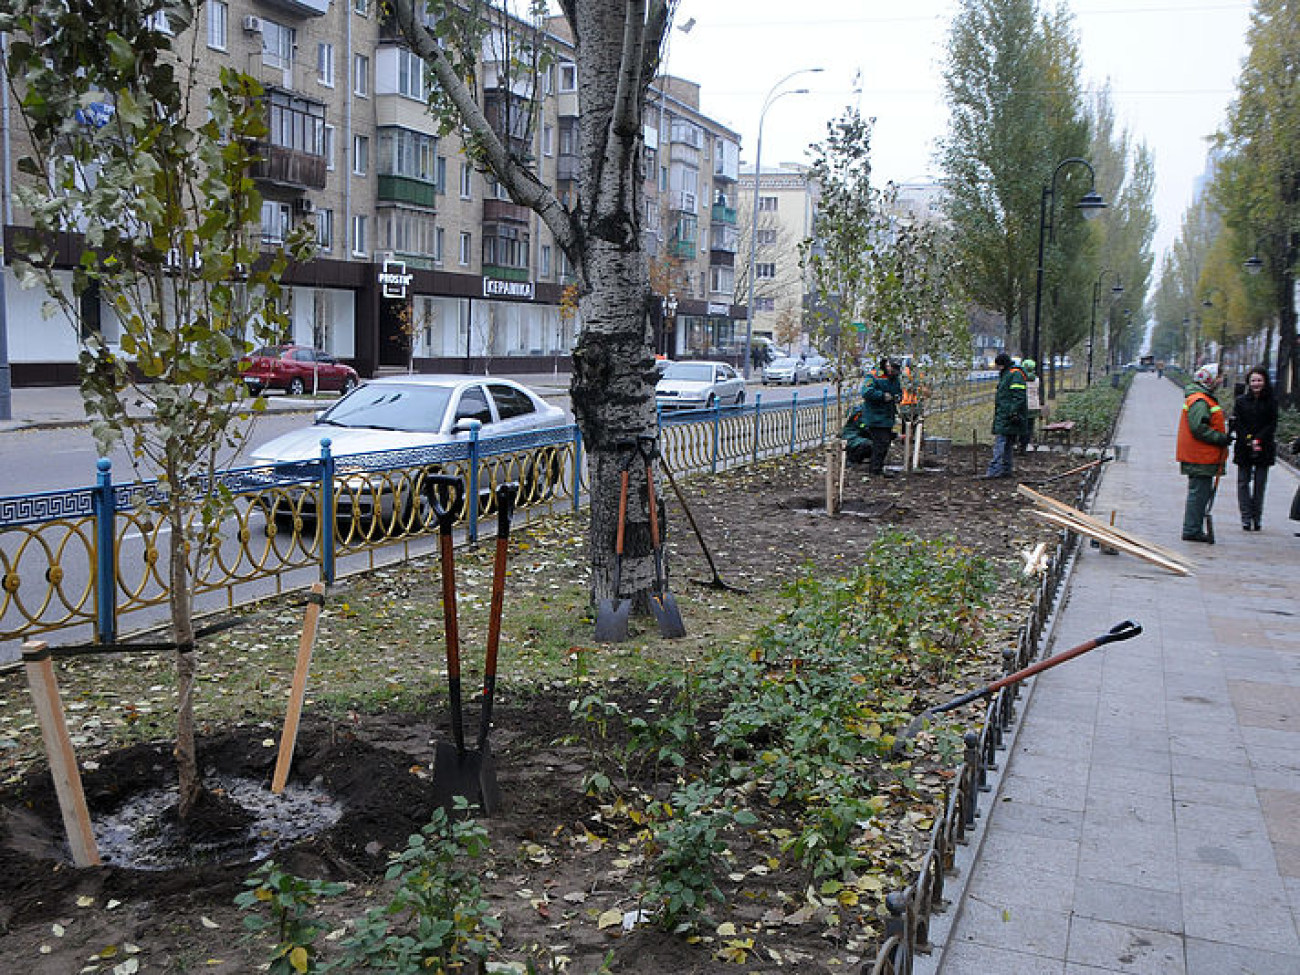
(58, 750)
(289, 738)
(1062, 508)
(918, 437)
(1092, 531)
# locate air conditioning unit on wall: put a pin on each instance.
(252, 24)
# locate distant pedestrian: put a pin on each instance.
(1010, 412)
(881, 392)
(1202, 449)
(1254, 423)
(1033, 401)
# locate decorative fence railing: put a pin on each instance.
(909, 911)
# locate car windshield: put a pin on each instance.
(785, 363)
(691, 372)
(417, 409)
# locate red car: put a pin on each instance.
(296, 369)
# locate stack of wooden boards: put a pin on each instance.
(1061, 514)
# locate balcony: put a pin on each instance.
(684, 202)
(724, 214)
(303, 8)
(567, 167)
(404, 189)
(683, 249)
(503, 211)
(288, 167)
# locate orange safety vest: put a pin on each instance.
(909, 388)
(1193, 451)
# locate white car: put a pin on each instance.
(819, 368)
(411, 412)
(699, 386)
(786, 370)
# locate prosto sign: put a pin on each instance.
(394, 279)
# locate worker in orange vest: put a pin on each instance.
(1202, 449)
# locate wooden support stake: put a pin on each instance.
(1062, 508)
(918, 437)
(289, 738)
(1091, 531)
(58, 750)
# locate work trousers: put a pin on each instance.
(1000, 465)
(1251, 482)
(1200, 487)
(880, 437)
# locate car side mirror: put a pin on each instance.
(467, 424)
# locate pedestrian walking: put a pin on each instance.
(1254, 425)
(1202, 449)
(881, 392)
(1033, 400)
(1010, 411)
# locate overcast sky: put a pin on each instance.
(1172, 66)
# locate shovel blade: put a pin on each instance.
(611, 620)
(489, 790)
(668, 616)
(456, 773)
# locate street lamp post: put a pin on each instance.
(768, 102)
(1116, 290)
(670, 311)
(1090, 204)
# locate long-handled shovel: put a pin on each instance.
(453, 773)
(1120, 631)
(662, 603)
(612, 612)
(1209, 510)
(716, 582)
(487, 773)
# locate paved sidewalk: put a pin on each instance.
(1147, 818)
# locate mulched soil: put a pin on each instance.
(557, 862)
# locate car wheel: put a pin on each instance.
(350, 384)
(740, 398)
(711, 402)
(296, 386)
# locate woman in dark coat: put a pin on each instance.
(1254, 420)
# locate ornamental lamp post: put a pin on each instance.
(1090, 205)
(772, 96)
(1116, 290)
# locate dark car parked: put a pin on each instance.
(296, 369)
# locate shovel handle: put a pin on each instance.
(446, 520)
(1120, 631)
(624, 478)
(505, 506)
(446, 514)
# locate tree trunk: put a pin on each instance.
(182, 613)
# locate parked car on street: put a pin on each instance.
(411, 412)
(819, 368)
(786, 370)
(296, 369)
(699, 386)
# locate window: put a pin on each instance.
(359, 235)
(275, 222)
(325, 229)
(568, 137)
(411, 75)
(544, 262)
(361, 7)
(762, 271)
(407, 231)
(327, 146)
(764, 304)
(505, 245)
(722, 280)
(296, 123)
(218, 24)
(511, 402)
(465, 245)
(278, 42)
(404, 152)
(466, 181)
(325, 64)
(568, 76)
(440, 177)
(767, 204)
(158, 21)
(361, 76)
(548, 140)
(438, 236)
(360, 155)
(766, 236)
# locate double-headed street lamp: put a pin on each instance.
(1115, 292)
(1090, 204)
(771, 99)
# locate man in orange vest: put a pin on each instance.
(1202, 448)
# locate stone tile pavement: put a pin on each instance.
(1147, 816)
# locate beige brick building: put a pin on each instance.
(353, 150)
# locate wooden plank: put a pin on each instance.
(1099, 530)
(58, 750)
(1123, 546)
(1062, 508)
(289, 738)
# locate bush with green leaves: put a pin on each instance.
(1092, 410)
(286, 904)
(437, 919)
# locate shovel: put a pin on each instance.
(487, 773)
(1120, 631)
(1209, 511)
(716, 582)
(662, 603)
(612, 612)
(454, 773)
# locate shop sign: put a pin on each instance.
(719, 308)
(496, 288)
(394, 279)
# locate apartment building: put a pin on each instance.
(423, 261)
(782, 216)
